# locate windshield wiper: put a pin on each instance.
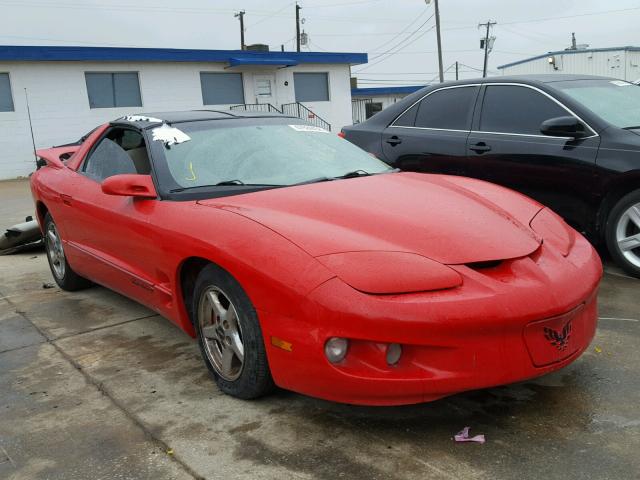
(631, 128)
(355, 173)
(230, 182)
(224, 183)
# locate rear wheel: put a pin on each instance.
(229, 335)
(62, 272)
(623, 233)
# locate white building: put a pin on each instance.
(620, 62)
(366, 102)
(74, 89)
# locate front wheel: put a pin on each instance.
(62, 272)
(229, 335)
(623, 233)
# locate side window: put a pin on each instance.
(450, 108)
(514, 109)
(408, 118)
(120, 151)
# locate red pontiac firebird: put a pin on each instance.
(301, 261)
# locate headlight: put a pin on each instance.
(380, 272)
(554, 231)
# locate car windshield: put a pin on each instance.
(616, 101)
(264, 154)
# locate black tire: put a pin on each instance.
(618, 221)
(252, 379)
(62, 272)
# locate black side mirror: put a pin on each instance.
(563, 127)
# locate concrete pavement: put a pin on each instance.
(93, 385)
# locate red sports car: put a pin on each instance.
(301, 261)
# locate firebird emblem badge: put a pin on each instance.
(560, 340)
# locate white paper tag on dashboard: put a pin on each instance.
(308, 128)
(621, 83)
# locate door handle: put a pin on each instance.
(66, 199)
(480, 147)
(393, 141)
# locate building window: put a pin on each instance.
(6, 99)
(221, 88)
(311, 87)
(372, 108)
(109, 90)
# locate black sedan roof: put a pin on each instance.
(527, 79)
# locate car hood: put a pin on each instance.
(451, 220)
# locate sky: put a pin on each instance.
(398, 35)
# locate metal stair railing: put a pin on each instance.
(296, 109)
(256, 107)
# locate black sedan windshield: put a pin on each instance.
(209, 154)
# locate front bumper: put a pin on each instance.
(522, 319)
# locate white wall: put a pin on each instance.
(60, 106)
(618, 64)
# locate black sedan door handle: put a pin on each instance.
(480, 147)
(393, 141)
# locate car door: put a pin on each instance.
(111, 235)
(507, 147)
(431, 136)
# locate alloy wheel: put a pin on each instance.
(55, 251)
(628, 234)
(221, 333)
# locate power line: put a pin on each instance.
(267, 17)
(179, 10)
(404, 39)
(399, 47)
(415, 20)
(344, 4)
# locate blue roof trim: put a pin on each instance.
(363, 92)
(571, 52)
(121, 54)
(277, 61)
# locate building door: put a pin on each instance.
(264, 87)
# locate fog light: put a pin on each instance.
(335, 349)
(394, 351)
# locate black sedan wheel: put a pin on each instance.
(623, 233)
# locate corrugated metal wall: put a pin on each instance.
(616, 63)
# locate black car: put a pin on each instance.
(571, 142)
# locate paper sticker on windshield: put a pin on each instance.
(308, 128)
(620, 83)
(169, 135)
(141, 118)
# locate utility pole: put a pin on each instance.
(298, 8)
(456, 70)
(489, 24)
(240, 15)
(439, 41)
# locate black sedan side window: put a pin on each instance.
(518, 110)
(449, 109)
